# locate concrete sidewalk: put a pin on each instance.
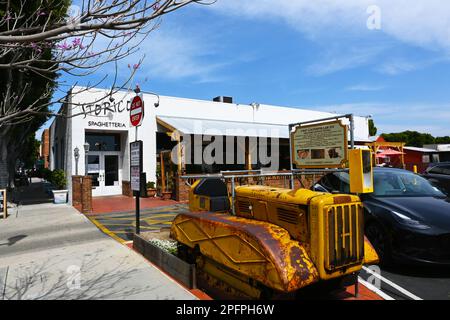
(51, 251)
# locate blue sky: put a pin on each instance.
(310, 54)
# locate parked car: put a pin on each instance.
(21, 179)
(439, 175)
(407, 219)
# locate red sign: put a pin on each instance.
(136, 111)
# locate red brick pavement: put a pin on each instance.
(120, 203)
(364, 294)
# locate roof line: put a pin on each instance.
(232, 121)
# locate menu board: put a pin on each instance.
(136, 165)
(323, 145)
(3, 205)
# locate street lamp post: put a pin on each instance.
(86, 153)
(76, 153)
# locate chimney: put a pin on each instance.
(223, 99)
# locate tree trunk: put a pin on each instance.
(14, 149)
(12, 158)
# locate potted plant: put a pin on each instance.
(166, 195)
(151, 190)
(59, 181)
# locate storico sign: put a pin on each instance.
(102, 109)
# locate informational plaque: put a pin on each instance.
(135, 179)
(322, 145)
(136, 165)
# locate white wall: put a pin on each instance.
(175, 107)
(146, 132)
(179, 107)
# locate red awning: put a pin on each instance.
(388, 152)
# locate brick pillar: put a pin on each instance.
(76, 190)
(181, 189)
(86, 195)
(126, 188)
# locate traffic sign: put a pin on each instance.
(136, 111)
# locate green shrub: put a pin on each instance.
(150, 185)
(45, 174)
(58, 179)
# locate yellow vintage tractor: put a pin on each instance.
(278, 241)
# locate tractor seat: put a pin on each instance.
(217, 191)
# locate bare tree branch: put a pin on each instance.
(78, 44)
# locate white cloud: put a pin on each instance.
(343, 59)
(396, 67)
(421, 23)
(173, 55)
(391, 117)
(364, 88)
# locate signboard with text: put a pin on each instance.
(322, 145)
(3, 204)
(136, 165)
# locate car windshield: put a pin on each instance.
(403, 184)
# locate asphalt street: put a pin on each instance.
(122, 226)
(403, 282)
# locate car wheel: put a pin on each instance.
(380, 241)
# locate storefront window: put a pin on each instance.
(103, 141)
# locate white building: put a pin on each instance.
(105, 125)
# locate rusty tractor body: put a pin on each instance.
(279, 241)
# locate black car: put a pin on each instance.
(439, 175)
(407, 219)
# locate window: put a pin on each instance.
(435, 158)
(446, 170)
(103, 141)
(437, 170)
(403, 184)
(338, 181)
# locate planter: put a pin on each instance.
(166, 195)
(60, 196)
(151, 193)
(170, 264)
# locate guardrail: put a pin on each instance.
(232, 176)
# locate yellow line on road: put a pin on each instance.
(146, 228)
(153, 221)
(106, 231)
(119, 224)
